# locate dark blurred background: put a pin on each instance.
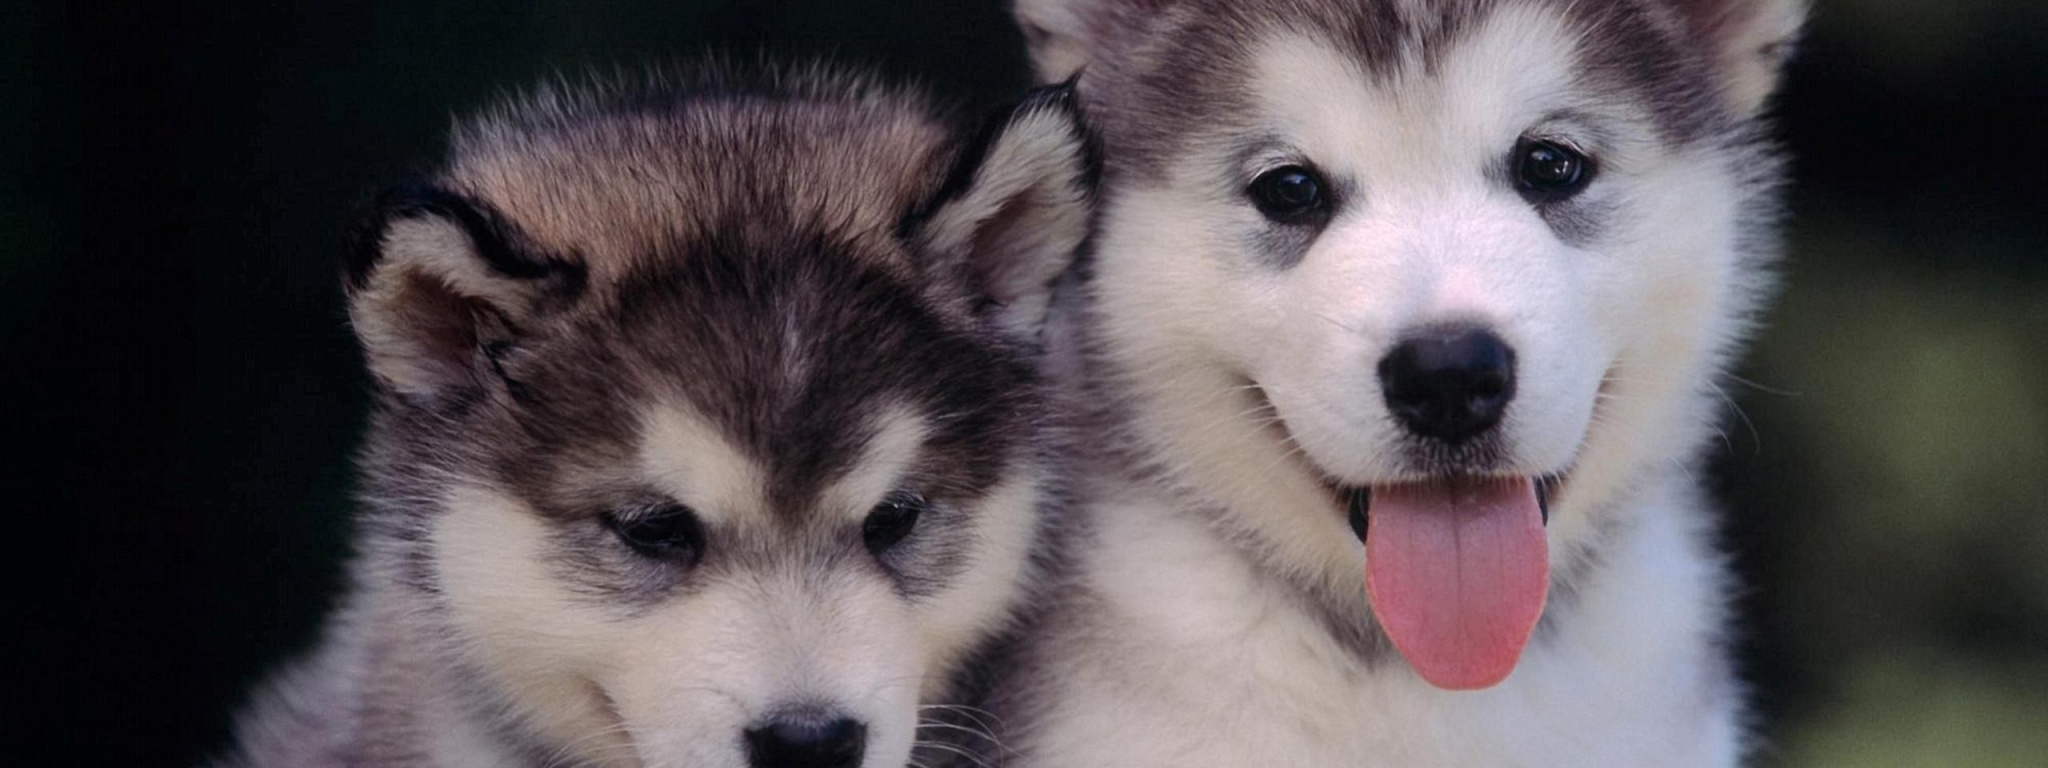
(182, 395)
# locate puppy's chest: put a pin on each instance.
(1232, 662)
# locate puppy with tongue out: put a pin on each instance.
(1462, 272)
(1457, 571)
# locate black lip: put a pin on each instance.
(1358, 502)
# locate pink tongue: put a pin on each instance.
(1457, 574)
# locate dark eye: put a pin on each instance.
(892, 520)
(669, 532)
(1548, 171)
(1289, 193)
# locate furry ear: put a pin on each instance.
(1063, 35)
(1015, 209)
(1750, 41)
(438, 289)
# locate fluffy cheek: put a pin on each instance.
(1561, 358)
(1330, 316)
(531, 640)
(981, 598)
(1667, 293)
(1172, 293)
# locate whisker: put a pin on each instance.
(987, 736)
(1336, 322)
(973, 713)
(1755, 437)
(1762, 387)
(961, 751)
(956, 727)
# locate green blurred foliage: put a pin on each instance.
(1893, 509)
(1924, 710)
(1913, 496)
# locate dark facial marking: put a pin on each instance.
(921, 545)
(788, 346)
(1356, 503)
(784, 326)
(1295, 200)
(1297, 203)
(892, 520)
(1553, 179)
(668, 532)
(1178, 80)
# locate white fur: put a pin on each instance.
(686, 457)
(1194, 645)
(531, 637)
(899, 433)
(1202, 662)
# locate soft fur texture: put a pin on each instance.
(1217, 612)
(780, 300)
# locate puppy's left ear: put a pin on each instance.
(1014, 210)
(1749, 42)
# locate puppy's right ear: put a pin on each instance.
(1064, 35)
(439, 288)
(1748, 41)
(1015, 209)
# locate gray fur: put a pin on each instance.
(785, 251)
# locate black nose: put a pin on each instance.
(1450, 384)
(806, 742)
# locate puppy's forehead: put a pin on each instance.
(1511, 70)
(690, 458)
(793, 352)
(1197, 74)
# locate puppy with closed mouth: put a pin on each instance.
(1400, 335)
(708, 431)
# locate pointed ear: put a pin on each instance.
(1749, 40)
(438, 287)
(1014, 210)
(1064, 35)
